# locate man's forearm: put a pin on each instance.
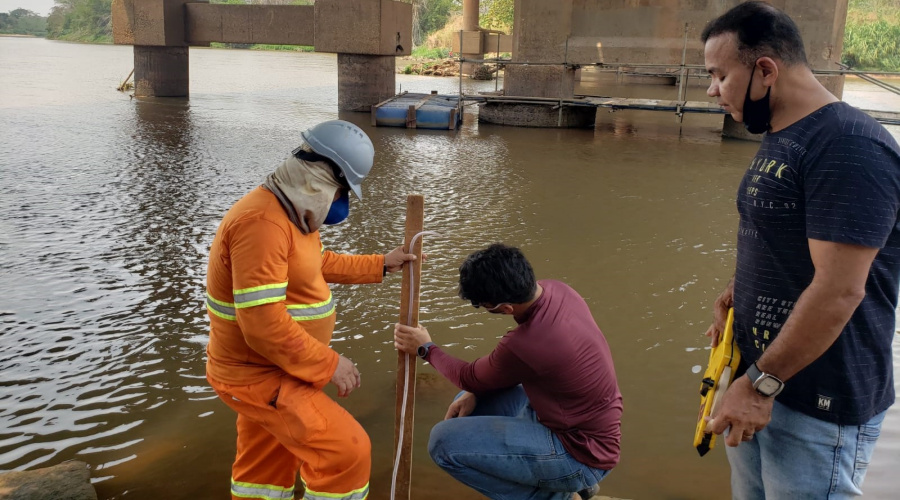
(814, 324)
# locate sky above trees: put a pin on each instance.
(39, 7)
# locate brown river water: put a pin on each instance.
(108, 206)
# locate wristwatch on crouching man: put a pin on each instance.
(424, 349)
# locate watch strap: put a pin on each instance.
(754, 373)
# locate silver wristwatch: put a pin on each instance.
(766, 384)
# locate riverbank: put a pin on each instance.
(408, 65)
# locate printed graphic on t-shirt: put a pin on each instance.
(762, 176)
(771, 314)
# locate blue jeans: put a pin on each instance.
(799, 457)
(502, 451)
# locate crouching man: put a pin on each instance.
(539, 417)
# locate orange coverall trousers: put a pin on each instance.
(285, 424)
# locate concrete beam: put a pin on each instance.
(472, 42)
(371, 27)
(149, 22)
(267, 24)
(476, 42)
(537, 115)
(489, 42)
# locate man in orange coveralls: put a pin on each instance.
(272, 316)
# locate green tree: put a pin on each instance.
(23, 22)
(430, 16)
(497, 14)
(81, 20)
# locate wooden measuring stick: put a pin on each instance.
(415, 221)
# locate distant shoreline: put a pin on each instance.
(13, 35)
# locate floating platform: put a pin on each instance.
(428, 111)
(433, 111)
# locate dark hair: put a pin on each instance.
(495, 275)
(761, 31)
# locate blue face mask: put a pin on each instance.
(339, 210)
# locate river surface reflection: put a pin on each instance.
(109, 204)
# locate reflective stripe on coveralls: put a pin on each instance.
(360, 494)
(299, 312)
(259, 295)
(224, 310)
(261, 491)
(307, 312)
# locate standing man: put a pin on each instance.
(540, 415)
(818, 266)
(272, 316)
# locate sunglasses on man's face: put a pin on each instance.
(490, 309)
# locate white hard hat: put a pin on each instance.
(347, 146)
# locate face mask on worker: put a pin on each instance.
(757, 114)
(339, 210)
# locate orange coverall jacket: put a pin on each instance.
(269, 304)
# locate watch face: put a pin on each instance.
(769, 386)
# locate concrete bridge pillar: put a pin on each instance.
(366, 35)
(471, 35)
(540, 37)
(156, 29)
(160, 71)
(540, 44)
(364, 80)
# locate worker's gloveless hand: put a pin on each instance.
(723, 303)
(742, 410)
(462, 406)
(346, 377)
(409, 338)
(394, 260)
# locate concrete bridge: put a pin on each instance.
(366, 35)
(552, 39)
(558, 36)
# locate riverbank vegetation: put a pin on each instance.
(22, 22)
(81, 21)
(872, 35)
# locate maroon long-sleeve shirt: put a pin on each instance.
(563, 362)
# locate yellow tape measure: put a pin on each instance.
(723, 361)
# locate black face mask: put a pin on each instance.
(757, 114)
